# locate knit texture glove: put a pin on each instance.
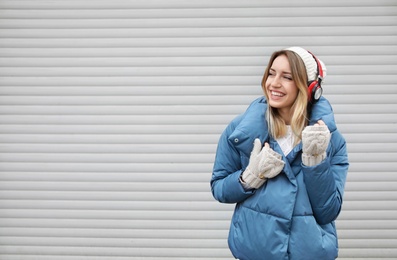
(315, 140)
(264, 163)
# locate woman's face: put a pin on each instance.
(280, 86)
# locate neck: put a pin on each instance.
(285, 115)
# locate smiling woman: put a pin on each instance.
(288, 192)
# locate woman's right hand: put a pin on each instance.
(264, 163)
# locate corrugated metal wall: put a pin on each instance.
(110, 112)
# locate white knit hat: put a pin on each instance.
(310, 63)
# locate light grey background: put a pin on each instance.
(110, 112)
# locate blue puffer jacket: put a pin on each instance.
(292, 215)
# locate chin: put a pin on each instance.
(274, 104)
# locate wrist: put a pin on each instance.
(311, 160)
(250, 180)
(244, 184)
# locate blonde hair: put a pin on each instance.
(276, 125)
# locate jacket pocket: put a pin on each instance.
(257, 236)
(309, 240)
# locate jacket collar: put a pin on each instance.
(254, 125)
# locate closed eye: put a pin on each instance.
(287, 75)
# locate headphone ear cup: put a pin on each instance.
(315, 91)
(312, 86)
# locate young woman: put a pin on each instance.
(284, 163)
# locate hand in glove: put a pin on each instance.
(263, 163)
(315, 140)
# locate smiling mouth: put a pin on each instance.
(277, 94)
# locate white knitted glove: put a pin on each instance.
(264, 163)
(315, 140)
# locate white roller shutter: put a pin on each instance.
(110, 112)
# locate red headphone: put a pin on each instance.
(315, 90)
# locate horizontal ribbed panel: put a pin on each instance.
(110, 112)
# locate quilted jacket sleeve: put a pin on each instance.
(325, 182)
(225, 184)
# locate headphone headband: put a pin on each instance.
(315, 90)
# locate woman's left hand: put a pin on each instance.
(315, 140)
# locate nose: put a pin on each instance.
(276, 82)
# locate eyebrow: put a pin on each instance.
(283, 72)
